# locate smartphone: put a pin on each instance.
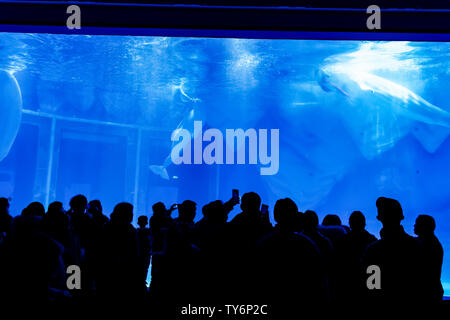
(235, 194)
(264, 209)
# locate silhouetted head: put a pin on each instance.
(357, 221)
(215, 212)
(310, 221)
(55, 207)
(56, 219)
(34, 209)
(390, 212)
(78, 203)
(187, 210)
(424, 225)
(4, 206)
(159, 209)
(122, 213)
(95, 207)
(142, 221)
(286, 213)
(250, 202)
(331, 220)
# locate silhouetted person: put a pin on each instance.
(331, 220)
(187, 212)
(34, 272)
(161, 218)
(35, 209)
(358, 238)
(326, 238)
(348, 255)
(185, 221)
(332, 228)
(5, 218)
(249, 226)
(210, 235)
(56, 224)
(310, 223)
(434, 255)
(399, 257)
(289, 266)
(82, 231)
(81, 222)
(142, 222)
(160, 223)
(246, 230)
(144, 239)
(95, 209)
(98, 220)
(121, 281)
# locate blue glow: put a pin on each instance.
(357, 120)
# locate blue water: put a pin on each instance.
(356, 120)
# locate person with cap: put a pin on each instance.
(398, 257)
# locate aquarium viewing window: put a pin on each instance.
(331, 120)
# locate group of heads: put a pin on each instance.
(79, 203)
(390, 212)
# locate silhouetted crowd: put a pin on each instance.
(297, 262)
